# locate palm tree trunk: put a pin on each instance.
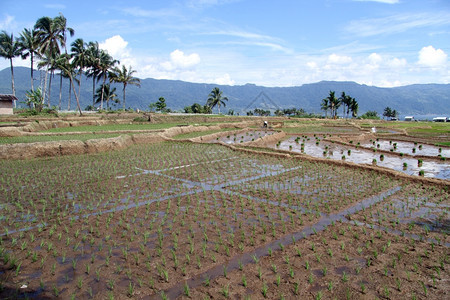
(103, 89)
(70, 96)
(124, 86)
(79, 84)
(93, 90)
(49, 89)
(12, 80)
(45, 86)
(76, 96)
(60, 90)
(32, 79)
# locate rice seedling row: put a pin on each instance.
(152, 220)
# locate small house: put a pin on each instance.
(409, 118)
(440, 119)
(6, 104)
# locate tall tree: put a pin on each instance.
(354, 107)
(93, 53)
(333, 104)
(324, 106)
(106, 63)
(67, 68)
(125, 76)
(108, 94)
(80, 59)
(9, 48)
(387, 112)
(28, 48)
(50, 37)
(215, 98)
(61, 23)
(345, 100)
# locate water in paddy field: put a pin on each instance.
(335, 151)
(407, 148)
(245, 136)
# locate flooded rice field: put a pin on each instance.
(248, 136)
(317, 147)
(411, 148)
(182, 220)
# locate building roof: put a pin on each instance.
(4, 97)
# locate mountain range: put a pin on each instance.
(417, 99)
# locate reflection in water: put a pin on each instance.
(325, 149)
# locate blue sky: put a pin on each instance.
(272, 43)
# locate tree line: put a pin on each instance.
(46, 44)
(332, 103)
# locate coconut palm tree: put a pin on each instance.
(28, 48)
(48, 62)
(333, 104)
(354, 107)
(63, 62)
(106, 63)
(125, 76)
(93, 57)
(50, 37)
(80, 59)
(61, 23)
(9, 48)
(215, 98)
(345, 101)
(324, 106)
(106, 93)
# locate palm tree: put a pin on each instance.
(49, 37)
(345, 100)
(61, 23)
(67, 69)
(93, 57)
(28, 47)
(354, 107)
(107, 94)
(80, 58)
(333, 104)
(216, 99)
(105, 65)
(49, 63)
(324, 106)
(125, 76)
(9, 49)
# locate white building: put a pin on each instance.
(440, 119)
(6, 104)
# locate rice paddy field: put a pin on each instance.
(179, 220)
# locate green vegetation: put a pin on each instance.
(48, 138)
(110, 127)
(191, 135)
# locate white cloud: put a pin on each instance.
(224, 80)
(311, 65)
(431, 57)
(339, 59)
(116, 47)
(179, 60)
(375, 58)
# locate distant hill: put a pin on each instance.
(418, 99)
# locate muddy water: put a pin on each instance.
(407, 148)
(364, 156)
(245, 137)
